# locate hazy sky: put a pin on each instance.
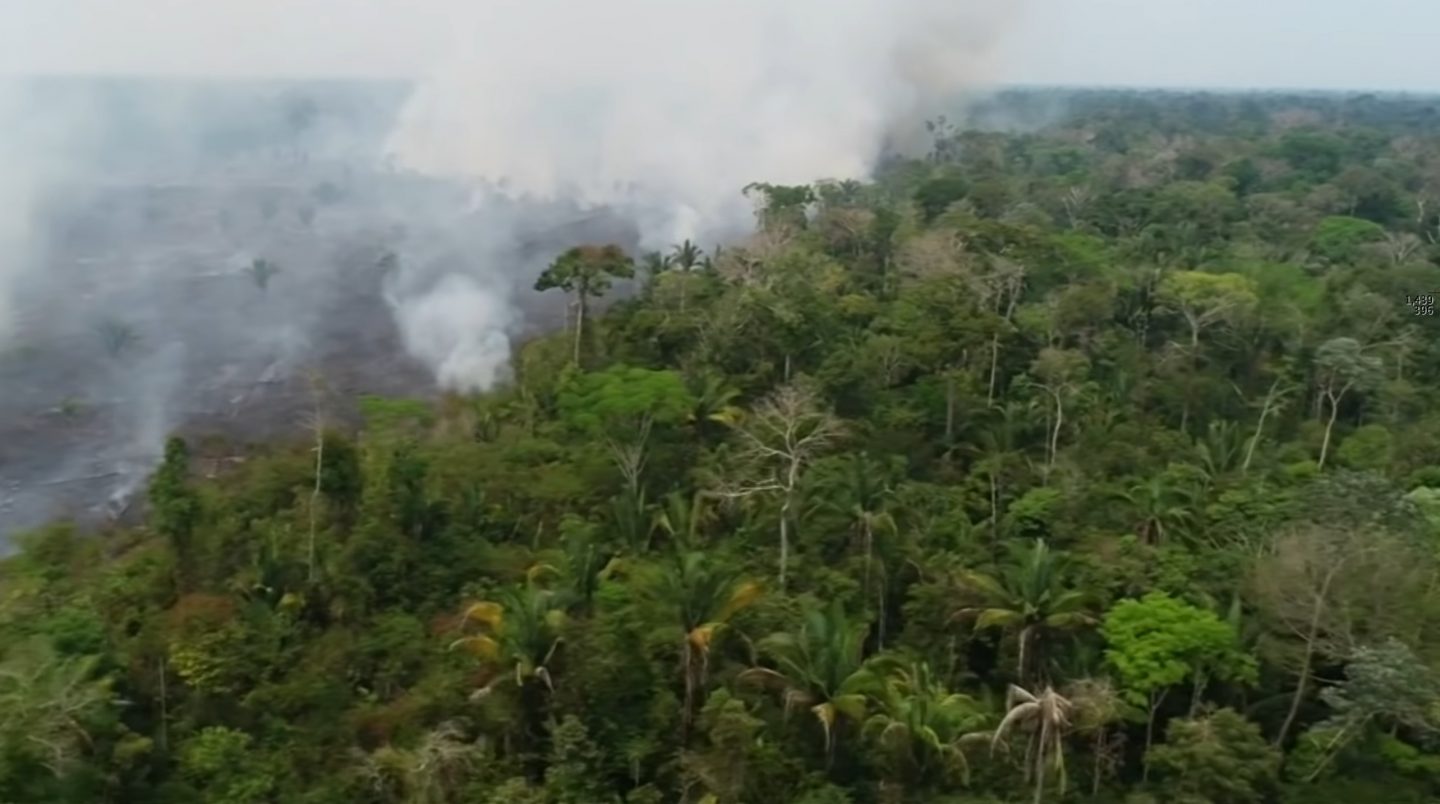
(1381, 44)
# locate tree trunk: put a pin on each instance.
(994, 516)
(1055, 435)
(880, 624)
(949, 407)
(164, 712)
(1329, 426)
(315, 499)
(1150, 735)
(687, 659)
(1197, 690)
(994, 365)
(1305, 663)
(1099, 749)
(869, 550)
(1259, 428)
(1025, 635)
(784, 539)
(792, 481)
(579, 325)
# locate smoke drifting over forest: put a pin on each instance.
(659, 111)
(142, 220)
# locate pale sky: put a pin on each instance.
(1348, 44)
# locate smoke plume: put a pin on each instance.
(408, 218)
(661, 111)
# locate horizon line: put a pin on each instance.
(1100, 86)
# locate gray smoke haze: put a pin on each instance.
(660, 108)
(660, 111)
(408, 218)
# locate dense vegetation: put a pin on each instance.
(1093, 463)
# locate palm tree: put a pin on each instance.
(1046, 717)
(520, 632)
(516, 638)
(1028, 597)
(861, 496)
(820, 668)
(999, 456)
(586, 271)
(686, 255)
(653, 264)
(921, 728)
(701, 597)
(1221, 449)
(1159, 508)
(117, 337)
(714, 402)
(261, 271)
(681, 517)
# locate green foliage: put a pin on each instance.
(54, 707)
(1205, 299)
(586, 270)
(1340, 239)
(392, 415)
(920, 728)
(1066, 371)
(175, 507)
(781, 205)
(1158, 642)
(624, 398)
(820, 670)
(935, 196)
(573, 776)
(1029, 598)
(225, 764)
(1220, 758)
(1370, 448)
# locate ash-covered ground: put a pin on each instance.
(147, 303)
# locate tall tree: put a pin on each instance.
(1029, 597)
(516, 638)
(699, 595)
(820, 668)
(586, 271)
(1045, 716)
(1059, 373)
(1158, 642)
(921, 729)
(1325, 588)
(1342, 366)
(777, 442)
(1205, 300)
(175, 505)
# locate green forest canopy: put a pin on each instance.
(1094, 462)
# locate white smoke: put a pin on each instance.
(459, 328)
(17, 197)
(662, 110)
